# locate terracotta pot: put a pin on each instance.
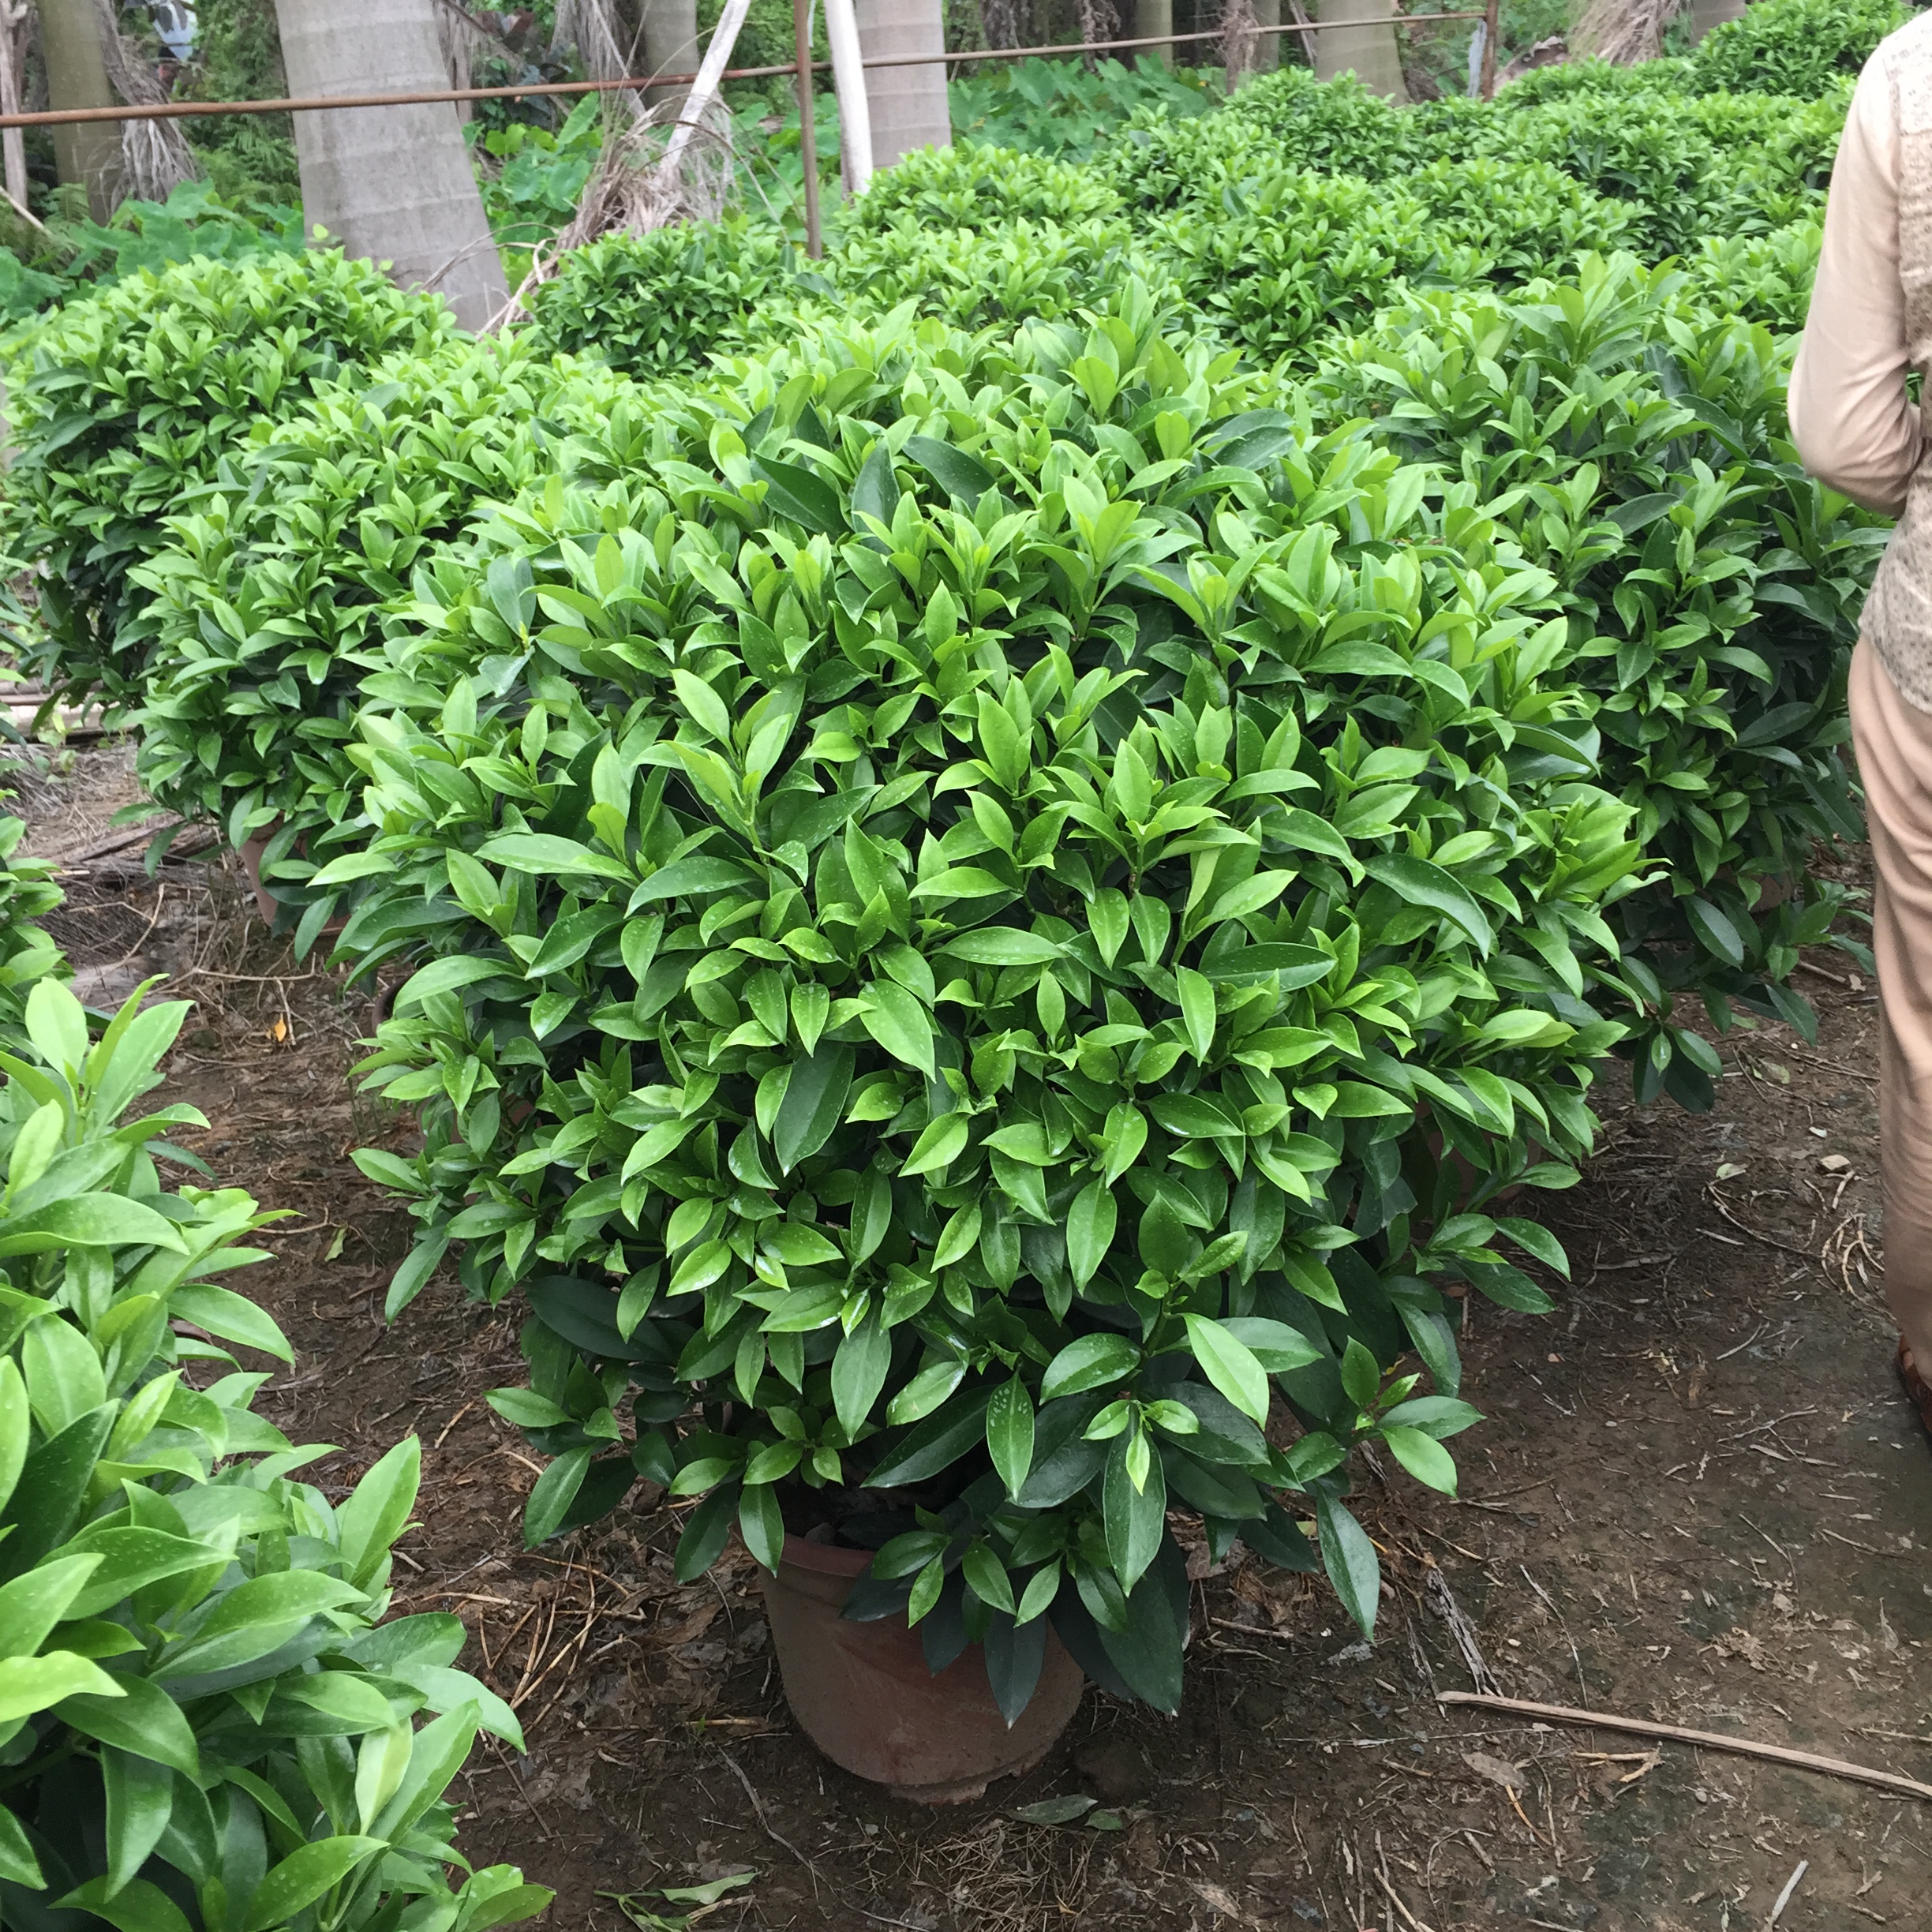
(250, 853)
(863, 1694)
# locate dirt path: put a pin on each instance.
(1699, 1498)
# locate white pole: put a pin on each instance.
(704, 89)
(848, 82)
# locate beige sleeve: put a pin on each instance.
(1854, 424)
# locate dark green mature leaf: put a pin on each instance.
(799, 495)
(936, 1443)
(959, 474)
(814, 1101)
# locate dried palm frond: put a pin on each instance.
(636, 186)
(1624, 31)
(674, 163)
(156, 158)
(597, 30)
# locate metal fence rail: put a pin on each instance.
(182, 111)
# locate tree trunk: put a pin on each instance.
(88, 152)
(12, 142)
(1268, 45)
(908, 104)
(1369, 51)
(393, 184)
(1152, 20)
(1705, 14)
(670, 46)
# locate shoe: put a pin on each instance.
(1916, 1386)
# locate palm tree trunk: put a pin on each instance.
(670, 45)
(12, 142)
(1154, 19)
(393, 184)
(908, 104)
(1368, 51)
(88, 152)
(1705, 14)
(1268, 45)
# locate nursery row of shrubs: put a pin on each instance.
(205, 1720)
(993, 907)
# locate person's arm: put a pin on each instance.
(1853, 423)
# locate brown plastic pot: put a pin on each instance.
(863, 1694)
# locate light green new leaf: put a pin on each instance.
(302, 1877)
(1423, 1456)
(1230, 1365)
(896, 1019)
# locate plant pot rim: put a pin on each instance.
(826, 1559)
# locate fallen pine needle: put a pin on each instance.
(1679, 1734)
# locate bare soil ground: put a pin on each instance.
(1699, 1498)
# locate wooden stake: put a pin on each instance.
(1491, 28)
(1678, 1734)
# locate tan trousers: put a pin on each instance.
(1893, 740)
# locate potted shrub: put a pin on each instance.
(934, 960)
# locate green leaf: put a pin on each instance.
(1091, 1224)
(1002, 945)
(1714, 930)
(986, 1577)
(1275, 1345)
(553, 1493)
(937, 1442)
(859, 1372)
(1009, 1434)
(231, 1316)
(703, 704)
(1092, 1361)
(1056, 1810)
(1229, 1364)
(1135, 1518)
(1422, 1456)
(36, 1683)
(800, 496)
(761, 1524)
(139, 1907)
(373, 1516)
(875, 489)
(959, 475)
(896, 1019)
(144, 1719)
(90, 1221)
(31, 1605)
(302, 1877)
(1197, 1010)
(1416, 881)
(1362, 1374)
(139, 1800)
(18, 1863)
(940, 1142)
(815, 1101)
(544, 855)
(1350, 1560)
